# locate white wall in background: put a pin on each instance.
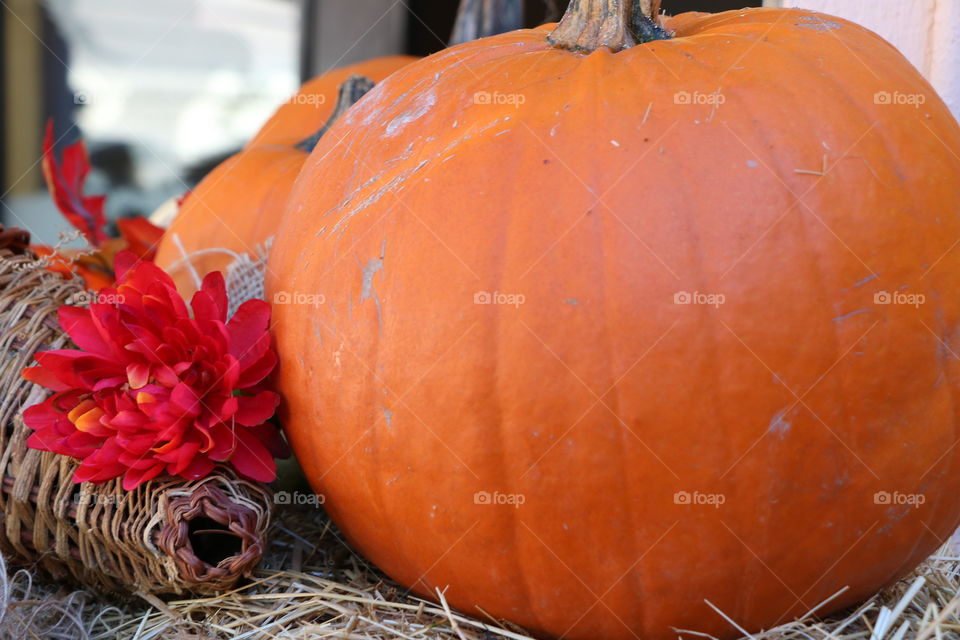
(926, 31)
(185, 79)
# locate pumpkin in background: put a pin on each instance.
(616, 325)
(236, 207)
(311, 106)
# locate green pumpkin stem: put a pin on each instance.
(485, 18)
(352, 89)
(589, 25)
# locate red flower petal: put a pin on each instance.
(123, 262)
(135, 477)
(272, 439)
(142, 236)
(199, 467)
(60, 363)
(128, 420)
(79, 444)
(90, 471)
(89, 421)
(180, 458)
(186, 399)
(218, 409)
(259, 370)
(225, 439)
(138, 375)
(204, 308)
(140, 274)
(252, 459)
(255, 410)
(44, 377)
(41, 416)
(247, 326)
(45, 440)
(214, 286)
(80, 326)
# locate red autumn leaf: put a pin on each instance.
(142, 236)
(65, 181)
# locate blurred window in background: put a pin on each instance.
(160, 90)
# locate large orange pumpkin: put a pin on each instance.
(620, 332)
(236, 207)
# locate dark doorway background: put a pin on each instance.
(431, 21)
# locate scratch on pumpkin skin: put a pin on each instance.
(368, 182)
(337, 363)
(646, 115)
(403, 156)
(817, 23)
(778, 425)
(421, 106)
(397, 182)
(395, 185)
(852, 313)
(872, 276)
(374, 265)
(716, 104)
(370, 110)
(388, 417)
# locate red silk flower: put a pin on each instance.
(152, 389)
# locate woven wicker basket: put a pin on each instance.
(167, 536)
